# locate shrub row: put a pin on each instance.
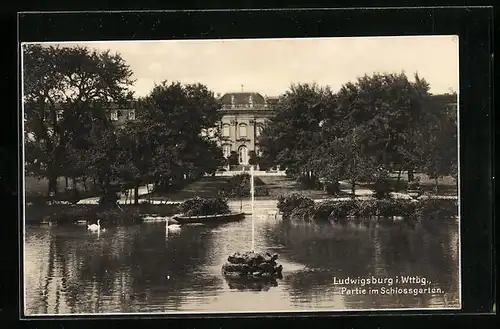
(202, 207)
(297, 206)
(68, 214)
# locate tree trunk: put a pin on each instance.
(437, 185)
(85, 184)
(75, 188)
(353, 189)
(399, 178)
(66, 181)
(52, 188)
(136, 194)
(411, 176)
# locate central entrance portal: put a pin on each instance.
(243, 155)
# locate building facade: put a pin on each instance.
(244, 115)
(120, 114)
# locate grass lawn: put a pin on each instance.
(277, 185)
(447, 185)
(206, 187)
(280, 185)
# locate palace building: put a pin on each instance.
(243, 117)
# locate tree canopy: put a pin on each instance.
(374, 125)
(66, 91)
(172, 118)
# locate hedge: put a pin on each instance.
(69, 214)
(296, 206)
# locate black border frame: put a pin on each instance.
(474, 27)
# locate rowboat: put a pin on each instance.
(222, 218)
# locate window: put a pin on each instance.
(225, 130)
(131, 115)
(243, 130)
(226, 150)
(114, 115)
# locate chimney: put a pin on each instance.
(232, 100)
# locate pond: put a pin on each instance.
(141, 268)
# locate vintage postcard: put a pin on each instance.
(241, 176)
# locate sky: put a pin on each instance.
(270, 66)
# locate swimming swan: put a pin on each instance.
(172, 227)
(95, 227)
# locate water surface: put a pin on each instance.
(141, 268)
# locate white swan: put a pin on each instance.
(172, 227)
(95, 227)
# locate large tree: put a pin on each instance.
(173, 116)
(65, 93)
(390, 109)
(344, 158)
(440, 145)
(292, 135)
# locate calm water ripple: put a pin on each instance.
(141, 268)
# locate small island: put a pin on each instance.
(252, 265)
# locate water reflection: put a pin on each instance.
(363, 250)
(143, 268)
(261, 284)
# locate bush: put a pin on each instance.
(414, 185)
(323, 209)
(343, 209)
(299, 207)
(287, 203)
(109, 198)
(332, 188)
(239, 185)
(202, 207)
(436, 208)
(382, 187)
(303, 213)
(308, 182)
(366, 208)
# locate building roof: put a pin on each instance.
(242, 98)
(109, 106)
